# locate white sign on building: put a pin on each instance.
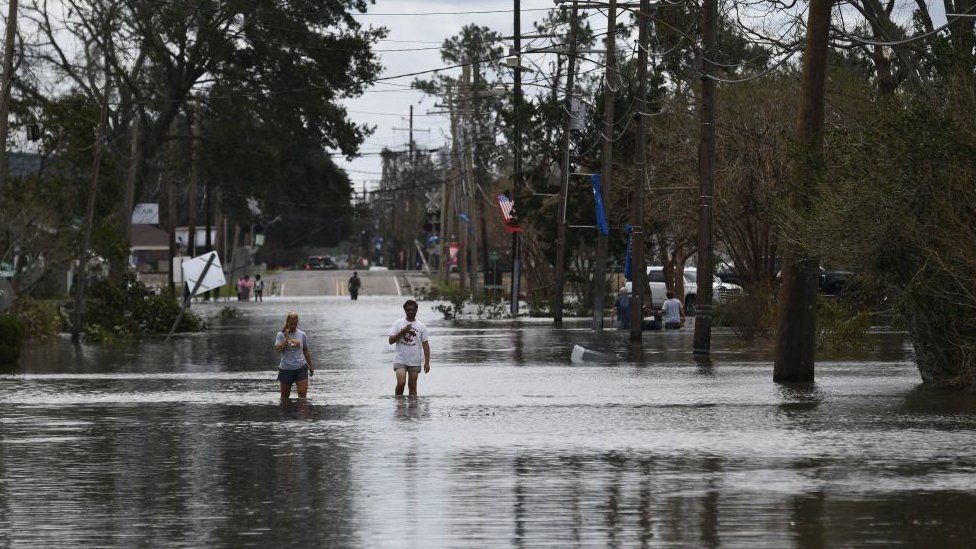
(146, 213)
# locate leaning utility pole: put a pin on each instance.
(560, 281)
(90, 211)
(517, 142)
(8, 77)
(706, 182)
(639, 283)
(796, 333)
(602, 241)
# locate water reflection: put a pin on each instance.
(509, 445)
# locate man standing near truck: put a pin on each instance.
(674, 313)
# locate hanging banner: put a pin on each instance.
(629, 254)
(601, 215)
(464, 217)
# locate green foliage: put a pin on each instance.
(445, 291)
(899, 208)
(40, 318)
(486, 305)
(12, 334)
(840, 325)
(751, 314)
(119, 306)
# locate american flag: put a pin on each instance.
(507, 206)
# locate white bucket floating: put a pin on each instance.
(582, 354)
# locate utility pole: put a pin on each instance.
(171, 213)
(468, 151)
(517, 142)
(479, 175)
(796, 333)
(560, 282)
(131, 177)
(602, 241)
(410, 146)
(8, 77)
(191, 231)
(639, 283)
(79, 311)
(457, 168)
(442, 233)
(706, 179)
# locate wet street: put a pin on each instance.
(510, 443)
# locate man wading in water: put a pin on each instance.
(409, 335)
(296, 362)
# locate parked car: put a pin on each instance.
(319, 263)
(835, 282)
(658, 288)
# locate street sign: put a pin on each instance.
(212, 279)
(7, 270)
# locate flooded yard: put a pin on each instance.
(509, 444)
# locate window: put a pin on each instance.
(655, 276)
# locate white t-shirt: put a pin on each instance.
(409, 350)
(672, 310)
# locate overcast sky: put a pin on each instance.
(386, 106)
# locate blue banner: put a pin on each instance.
(601, 215)
(628, 255)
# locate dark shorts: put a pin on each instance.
(411, 369)
(672, 325)
(292, 376)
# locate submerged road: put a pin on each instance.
(510, 444)
(334, 283)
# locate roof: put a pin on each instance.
(149, 237)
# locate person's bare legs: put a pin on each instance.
(302, 387)
(412, 384)
(285, 390)
(401, 375)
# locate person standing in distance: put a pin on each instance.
(410, 337)
(296, 361)
(354, 283)
(674, 313)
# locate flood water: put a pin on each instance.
(509, 444)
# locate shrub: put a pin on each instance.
(120, 306)
(751, 314)
(40, 318)
(12, 334)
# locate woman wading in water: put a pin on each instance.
(296, 362)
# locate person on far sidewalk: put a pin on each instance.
(354, 283)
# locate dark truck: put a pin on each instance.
(319, 263)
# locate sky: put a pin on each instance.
(386, 106)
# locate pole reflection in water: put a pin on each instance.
(508, 445)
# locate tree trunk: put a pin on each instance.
(796, 333)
